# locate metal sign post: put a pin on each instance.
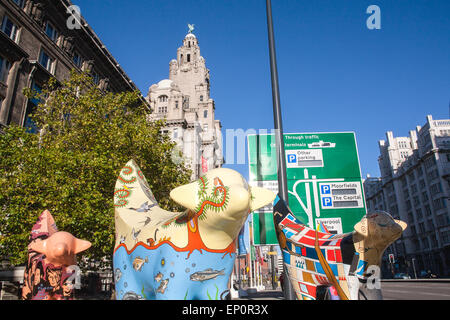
(282, 179)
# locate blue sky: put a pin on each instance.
(335, 74)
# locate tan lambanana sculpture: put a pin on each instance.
(50, 254)
(171, 255)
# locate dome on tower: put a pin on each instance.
(190, 35)
(166, 83)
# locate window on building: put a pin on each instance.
(446, 237)
(421, 184)
(205, 127)
(419, 171)
(416, 245)
(186, 103)
(424, 196)
(442, 220)
(46, 61)
(31, 107)
(404, 183)
(410, 217)
(188, 58)
(406, 193)
(416, 200)
(434, 242)
(95, 76)
(163, 98)
(5, 65)
(430, 225)
(438, 204)
(201, 98)
(419, 213)
(176, 104)
(394, 210)
(162, 109)
(426, 243)
(430, 162)
(51, 31)
(434, 189)
(422, 227)
(428, 210)
(205, 114)
(10, 29)
(77, 59)
(20, 3)
(175, 133)
(408, 205)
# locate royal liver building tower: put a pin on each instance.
(184, 101)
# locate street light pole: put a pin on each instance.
(282, 179)
(413, 260)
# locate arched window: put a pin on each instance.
(201, 98)
(163, 98)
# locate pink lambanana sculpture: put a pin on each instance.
(49, 274)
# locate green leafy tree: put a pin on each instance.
(71, 166)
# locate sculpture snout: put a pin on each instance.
(61, 249)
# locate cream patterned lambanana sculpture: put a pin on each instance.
(180, 255)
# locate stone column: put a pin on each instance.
(10, 91)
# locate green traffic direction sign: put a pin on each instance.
(323, 176)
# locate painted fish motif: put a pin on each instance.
(158, 277)
(163, 286)
(138, 262)
(206, 274)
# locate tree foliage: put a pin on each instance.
(71, 166)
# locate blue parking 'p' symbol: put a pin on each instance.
(325, 189)
(326, 202)
(292, 158)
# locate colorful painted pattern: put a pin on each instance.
(42, 280)
(316, 258)
(302, 258)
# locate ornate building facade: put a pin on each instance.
(184, 102)
(415, 187)
(37, 41)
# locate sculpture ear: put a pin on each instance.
(260, 197)
(186, 195)
(362, 228)
(38, 245)
(402, 224)
(81, 245)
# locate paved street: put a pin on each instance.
(416, 290)
(263, 295)
(392, 290)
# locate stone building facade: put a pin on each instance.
(184, 102)
(36, 43)
(415, 187)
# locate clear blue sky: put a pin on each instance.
(335, 74)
